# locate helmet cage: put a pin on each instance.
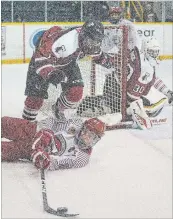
(151, 48)
(90, 46)
(87, 138)
(91, 36)
(154, 53)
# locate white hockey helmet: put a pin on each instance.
(151, 48)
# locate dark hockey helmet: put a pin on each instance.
(90, 133)
(90, 37)
(115, 14)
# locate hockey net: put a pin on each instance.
(104, 93)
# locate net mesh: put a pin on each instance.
(103, 88)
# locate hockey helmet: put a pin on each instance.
(115, 14)
(90, 37)
(151, 48)
(90, 133)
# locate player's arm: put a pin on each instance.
(106, 60)
(75, 158)
(161, 87)
(43, 56)
(42, 147)
(48, 152)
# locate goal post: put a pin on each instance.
(105, 89)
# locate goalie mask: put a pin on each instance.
(151, 49)
(90, 37)
(90, 133)
(115, 14)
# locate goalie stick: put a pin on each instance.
(61, 211)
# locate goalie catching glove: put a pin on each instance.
(139, 116)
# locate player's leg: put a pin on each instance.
(21, 133)
(17, 129)
(15, 150)
(36, 92)
(72, 91)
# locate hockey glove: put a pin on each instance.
(170, 96)
(42, 145)
(43, 139)
(41, 159)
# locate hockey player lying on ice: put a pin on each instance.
(50, 144)
(141, 76)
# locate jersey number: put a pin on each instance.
(138, 89)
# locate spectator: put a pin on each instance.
(149, 14)
(97, 10)
(18, 18)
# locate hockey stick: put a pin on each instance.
(61, 211)
(129, 124)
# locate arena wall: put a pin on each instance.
(17, 38)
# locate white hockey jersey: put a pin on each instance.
(57, 49)
(70, 155)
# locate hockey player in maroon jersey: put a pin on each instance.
(141, 76)
(55, 61)
(142, 69)
(142, 72)
(50, 144)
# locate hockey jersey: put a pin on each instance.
(56, 49)
(142, 76)
(70, 155)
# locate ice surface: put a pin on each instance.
(129, 175)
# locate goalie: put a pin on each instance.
(141, 76)
(50, 144)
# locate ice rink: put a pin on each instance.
(129, 174)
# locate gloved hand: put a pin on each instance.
(41, 159)
(41, 148)
(42, 139)
(170, 96)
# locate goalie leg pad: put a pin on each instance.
(154, 109)
(139, 116)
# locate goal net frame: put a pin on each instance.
(121, 59)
